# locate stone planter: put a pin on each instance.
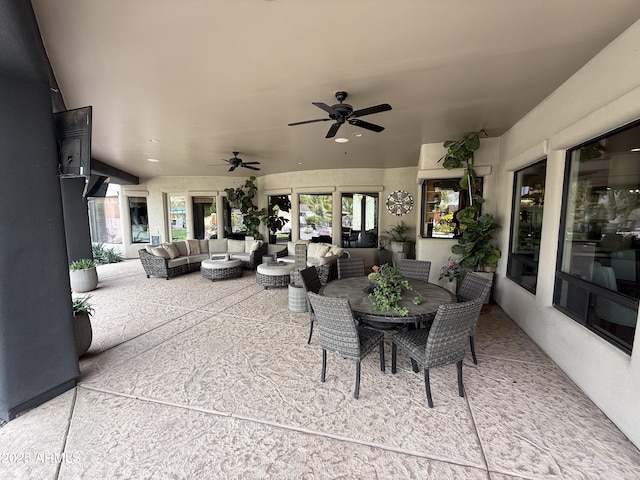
(82, 333)
(83, 280)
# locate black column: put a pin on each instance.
(37, 353)
(76, 218)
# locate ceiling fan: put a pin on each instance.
(236, 162)
(343, 112)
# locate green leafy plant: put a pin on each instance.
(82, 264)
(81, 305)
(451, 270)
(387, 292)
(242, 199)
(475, 243)
(460, 154)
(397, 232)
(103, 255)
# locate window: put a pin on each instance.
(233, 221)
(178, 217)
(104, 220)
(205, 222)
(441, 199)
(360, 220)
(597, 277)
(526, 225)
(315, 217)
(139, 219)
(280, 205)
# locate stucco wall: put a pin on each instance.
(601, 96)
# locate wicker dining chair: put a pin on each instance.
(443, 343)
(350, 267)
(311, 283)
(414, 269)
(474, 286)
(340, 334)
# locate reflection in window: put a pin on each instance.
(205, 222)
(178, 217)
(280, 206)
(139, 219)
(104, 220)
(233, 221)
(526, 225)
(601, 236)
(360, 220)
(316, 212)
(441, 200)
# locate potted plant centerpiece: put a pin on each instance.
(83, 275)
(387, 285)
(82, 331)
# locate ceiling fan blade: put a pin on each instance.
(367, 125)
(309, 121)
(232, 168)
(333, 130)
(251, 163)
(326, 108)
(383, 107)
(249, 166)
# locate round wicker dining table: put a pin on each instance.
(357, 290)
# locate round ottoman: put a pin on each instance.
(221, 269)
(274, 274)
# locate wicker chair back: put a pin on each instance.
(350, 267)
(414, 269)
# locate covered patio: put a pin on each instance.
(189, 378)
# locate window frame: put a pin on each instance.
(516, 261)
(347, 235)
(591, 290)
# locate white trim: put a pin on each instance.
(203, 193)
(314, 190)
(360, 188)
(431, 173)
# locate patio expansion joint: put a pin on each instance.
(65, 437)
(293, 428)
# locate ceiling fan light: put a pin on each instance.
(341, 140)
(153, 160)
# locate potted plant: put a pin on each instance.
(475, 243)
(82, 331)
(83, 275)
(387, 285)
(399, 241)
(450, 274)
(242, 199)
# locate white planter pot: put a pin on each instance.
(83, 280)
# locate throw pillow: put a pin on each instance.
(336, 250)
(321, 251)
(255, 245)
(235, 246)
(193, 247)
(171, 249)
(160, 252)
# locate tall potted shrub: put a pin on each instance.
(475, 241)
(242, 199)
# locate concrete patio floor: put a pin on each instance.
(195, 379)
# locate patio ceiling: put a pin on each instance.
(208, 77)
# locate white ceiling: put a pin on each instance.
(207, 77)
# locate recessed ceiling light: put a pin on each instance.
(299, 163)
(635, 149)
(356, 134)
(154, 140)
(342, 140)
(154, 160)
